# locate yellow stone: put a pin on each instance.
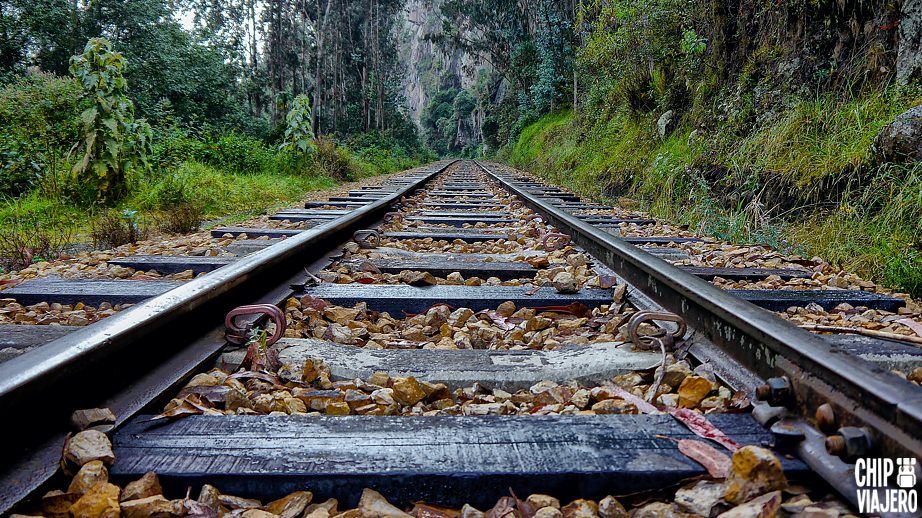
(692, 390)
(100, 501)
(338, 408)
(754, 471)
(408, 391)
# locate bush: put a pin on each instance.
(116, 228)
(236, 153)
(181, 219)
(30, 236)
(333, 161)
(112, 142)
(38, 124)
(174, 146)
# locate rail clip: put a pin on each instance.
(663, 337)
(241, 335)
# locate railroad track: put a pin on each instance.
(457, 289)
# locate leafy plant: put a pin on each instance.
(113, 142)
(299, 129)
(692, 44)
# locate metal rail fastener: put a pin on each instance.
(241, 335)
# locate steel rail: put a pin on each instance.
(40, 389)
(861, 393)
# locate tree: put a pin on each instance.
(299, 130)
(113, 141)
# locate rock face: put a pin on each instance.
(909, 52)
(901, 140)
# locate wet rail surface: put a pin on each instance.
(479, 284)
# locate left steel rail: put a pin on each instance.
(129, 359)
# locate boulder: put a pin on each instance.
(665, 124)
(901, 140)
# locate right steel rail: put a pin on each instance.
(861, 394)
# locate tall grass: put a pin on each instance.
(220, 192)
(872, 228)
(819, 137)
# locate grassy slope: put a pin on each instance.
(221, 194)
(871, 230)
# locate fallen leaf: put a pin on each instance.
(424, 510)
(526, 510)
(190, 405)
(703, 428)
(576, 308)
(714, 461)
(261, 358)
(641, 405)
(365, 280)
(500, 321)
(911, 324)
(504, 507)
(258, 375)
(212, 394)
(695, 422)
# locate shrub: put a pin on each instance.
(116, 228)
(236, 153)
(174, 146)
(27, 236)
(333, 161)
(299, 127)
(181, 219)
(112, 141)
(38, 122)
(41, 109)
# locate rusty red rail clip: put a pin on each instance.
(241, 335)
(647, 341)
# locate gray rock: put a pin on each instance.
(666, 123)
(909, 51)
(700, 498)
(89, 445)
(901, 140)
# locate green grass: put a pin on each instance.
(819, 137)
(871, 229)
(221, 192)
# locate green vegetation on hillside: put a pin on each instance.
(868, 219)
